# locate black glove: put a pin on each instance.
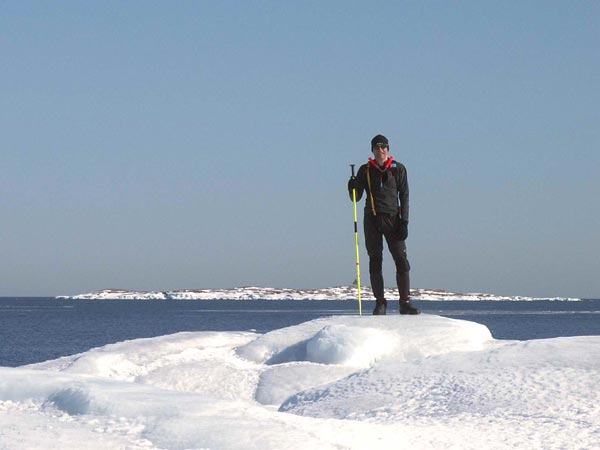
(352, 183)
(403, 231)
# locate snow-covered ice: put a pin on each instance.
(341, 382)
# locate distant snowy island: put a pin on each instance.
(270, 293)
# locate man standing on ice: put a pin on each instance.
(386, 215)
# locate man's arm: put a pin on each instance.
(403, 192)
(358, 183)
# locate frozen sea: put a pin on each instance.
(38, 329)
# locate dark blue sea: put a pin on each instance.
(39, 329)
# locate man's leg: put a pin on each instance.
(398, 251)
(403, 283)
(374, 244)
(397, 248)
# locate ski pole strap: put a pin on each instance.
(370, 190)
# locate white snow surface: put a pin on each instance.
(341, 382)
(270, 293)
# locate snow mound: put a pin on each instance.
(350, 346)
(362, 340)
(510, 380)
(200, 362)
(390, 382)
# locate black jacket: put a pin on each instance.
(389, 185)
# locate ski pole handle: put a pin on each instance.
(352, 167)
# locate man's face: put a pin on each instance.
(381, 152)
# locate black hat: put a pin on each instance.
(379, 139)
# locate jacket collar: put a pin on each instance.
(386, 166)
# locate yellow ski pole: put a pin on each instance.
(356, 244)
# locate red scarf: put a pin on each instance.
(386, 166)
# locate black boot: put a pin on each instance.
(380, 307)
(407, 308)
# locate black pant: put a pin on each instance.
(376, 228)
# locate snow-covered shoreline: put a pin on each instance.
(270, 293)
(340, 382)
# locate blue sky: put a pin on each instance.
(173, 145)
